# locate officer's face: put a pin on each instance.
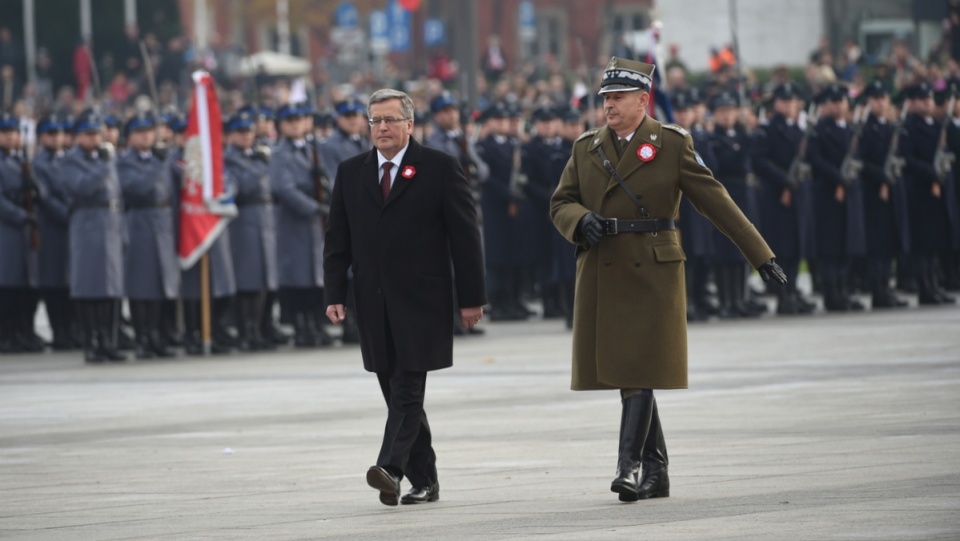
(351, 123)
(878, 106)
(53, 140)
(545, 129)
(725, 117)
(112, 135)
(447, 118)
(6, 141)
(142, 139)
(921, 106)
(685, 117)
(787, 108)
(242, 138)
(624, 111)
(291, 128)
(390, 138)
(88, 140)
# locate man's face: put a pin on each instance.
(351, 123)
(88, 140)
(498, 126)
(447, 118)
(6, 141)
(291, 127)
(546, 128)
(241, 138)
(142, 139)
(52, 140)
(390, 138)
(725, 117)
(685, 117)
(787, 108)
(878, 106)
(572, 130)
(623, 111)
(112, 135)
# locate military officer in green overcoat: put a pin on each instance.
(617, 201)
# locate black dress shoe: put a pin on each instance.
(386, 483)
(421, 494)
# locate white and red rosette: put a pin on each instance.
(408, 172)
(646, 152)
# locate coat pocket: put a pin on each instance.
(668, 253)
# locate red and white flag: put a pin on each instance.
(205, 205)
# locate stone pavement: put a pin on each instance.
(827, 427)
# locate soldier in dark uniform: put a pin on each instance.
(782, 205)
(543, 159)
(827, 149)
(172, 130)
(500, 204)
(564, 261)
(151, 271)
(929, 218)
(300, 233)
(696, 232)
(96, 238)
(253, 231)
(879, 197)
(731, 147)
(54, 219)
(111, 132)
(17, 261)
(323, 123)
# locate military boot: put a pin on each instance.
(88, 315)
(107, 331)
(654, 483)
(634, 427)
(158, 343)
(138, 316)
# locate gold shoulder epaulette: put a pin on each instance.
(588, 133)
(677, 129)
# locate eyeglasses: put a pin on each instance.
(389, 121)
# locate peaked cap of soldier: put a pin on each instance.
(622, 75)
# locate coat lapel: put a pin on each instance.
(649, 132)
(412, 156)
(370, 177)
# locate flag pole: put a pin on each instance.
(205, 303)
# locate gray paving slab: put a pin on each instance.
(826, 427)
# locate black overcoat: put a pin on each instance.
(407, 255)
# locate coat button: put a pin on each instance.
(636, 263)
(606, 263)
(610, 193)
(379, 291)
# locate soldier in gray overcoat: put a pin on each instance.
(253, 229)
(18, 299)
(53, 220)
(151, 270)
(300, 233)
(96, 238)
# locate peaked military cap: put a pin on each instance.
(139, 121)
(875, 89)
(241, 120)
(544, 114)
(919, 91)
(52, 123)
(88, 121)
(288, 111)
(724, 99)
(9, 122)
(832, 92)
(350, 106)
(786, 91)
(622, 75)
(442, 100)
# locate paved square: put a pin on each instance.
(826, 427)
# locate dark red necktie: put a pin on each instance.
(385, 180)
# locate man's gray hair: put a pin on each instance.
(386, 94)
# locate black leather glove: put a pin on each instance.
(105, 152)
(160, 151)
(591, 227)
(771, 271)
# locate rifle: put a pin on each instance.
(943, 159)
(517, 178)
(851, 166)
(800, 171)
(30, 198)
(893, 164)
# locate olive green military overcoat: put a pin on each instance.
(629, 324)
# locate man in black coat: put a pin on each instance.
(929, 209)
(782, 207)
(828, 147)
(880, 195)
(402, 217)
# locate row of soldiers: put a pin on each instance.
(854, 195)
(83, 227)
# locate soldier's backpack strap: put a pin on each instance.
(613, 172)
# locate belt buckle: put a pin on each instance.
(612, 227)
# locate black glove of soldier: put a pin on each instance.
(105, 152)
(591, 227)
(771, 271)
(160, 151)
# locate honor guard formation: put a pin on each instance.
(851, 179)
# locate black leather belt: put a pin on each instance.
(613, 226)
(254, 201)
(112, 204)
(157, 205)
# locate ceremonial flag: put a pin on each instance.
(205, 205)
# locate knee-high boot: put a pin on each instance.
(154, 321)
(89, 312)
(138, 316)
(654, 482)
(192, 341)
(108, 329)
(634, 427)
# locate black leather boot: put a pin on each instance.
(654, 483)
(138, 316)
(634, 426)
(192, 341)
(154, 322)
(303, 334)
(108, 329)
(88, 314)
